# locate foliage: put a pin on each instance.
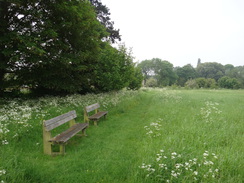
(5, 36)
(136, 80)
(53, 44)
(161, 70)
(59, 47)
(210, 83)
(207, 75)
(185, 73)
(210, 70)
(164, 72)
(103, 16)
(230, 83)
(114, 70)
(236, 72)
(201, 83)
(191, 83)
(151, 82)
(146, 67)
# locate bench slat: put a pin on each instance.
(66, 135)
(98, 115)
(59, 120)
(92, 107)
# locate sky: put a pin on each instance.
(181, 31)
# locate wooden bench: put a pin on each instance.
(62, 138)
(97, 114)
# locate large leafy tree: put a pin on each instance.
(161, 70)
(103, 16)
(136, 80)
(115, 69)
(228, 82)
(210, 70)
(53, 44)
(146, 67)
(164, 72)
(6, 37)
(239, 74)
(185, 73)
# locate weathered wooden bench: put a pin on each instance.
(97, 114)
(62, 138)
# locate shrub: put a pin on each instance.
(228, 82)
(136, 80)
(210, 83)
(191, 84)
(151, 82)
(201, 82)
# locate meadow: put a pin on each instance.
(150, 135)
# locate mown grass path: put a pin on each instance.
(192, 122)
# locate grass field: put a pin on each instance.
(151, 135)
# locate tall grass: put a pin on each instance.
(152, 135)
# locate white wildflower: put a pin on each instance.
(2, 172)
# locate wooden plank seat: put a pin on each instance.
(96, 115)
(62, 138)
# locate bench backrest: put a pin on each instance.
(92, 107)
(59, 120)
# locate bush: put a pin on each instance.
(201, 82)
(210, 83)
(136, 80)
(191, 84)
(151, 82)
(228, 82)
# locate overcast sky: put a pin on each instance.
(181, 31)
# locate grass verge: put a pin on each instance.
(152, 135)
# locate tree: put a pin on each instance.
(210, 70)
(228, 82)
(136, 80)
(236, 72)
(229, 69)
(164, 72)
(115, 69)
(201, 82)
(152, 82)
(103, 16)
(53, 44)
(6, 35)
(191, 83)
(147, 69)
(185, 73)
(210, 83)
(161, 70)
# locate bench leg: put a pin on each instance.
(47, 148)
(95, 122)
(62, 149)
(84, 132)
